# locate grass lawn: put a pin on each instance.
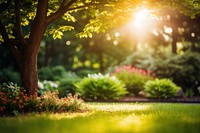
(111, 117)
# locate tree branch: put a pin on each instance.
(187, 8)
(39, 22)
(62, 10)
(12, 47)
(42, 9)
(19, 35)
(63, 3)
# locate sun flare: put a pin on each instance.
(142, 22)
(140, 17)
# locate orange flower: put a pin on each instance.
(17, 98)
(20, 101)
(14, 101)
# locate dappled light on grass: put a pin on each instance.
(124, 117)
(118, 107)
(111, 117)
(59, 116)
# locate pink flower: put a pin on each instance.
(117, 70)
(148, 72)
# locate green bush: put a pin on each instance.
(184, 70)
(161, 88)
(67, 86)
(98, 86)
(133, 78)
(8, 75)
(52, 73)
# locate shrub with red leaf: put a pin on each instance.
(134, 78)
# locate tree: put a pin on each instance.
(24, 23)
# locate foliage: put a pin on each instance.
(8, 75)
(161, 88)
(141, 59)
(55, 73)
(101, 16)
(85, 72)
(98, 86)
(62, 80)
(14, 100)
(183, 69)
(45, 85)
(67, 85)
(133, 78)
(30, 20)
(189, 93)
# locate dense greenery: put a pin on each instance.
(100, 87)
(182, 69)
(8, 75)
(112, 117)
(161, 88)
(67, 86)
(57, 77)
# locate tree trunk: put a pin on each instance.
(175, 39)
(29, 75)
(28, 64)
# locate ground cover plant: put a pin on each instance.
(124, 117)
(14, 100)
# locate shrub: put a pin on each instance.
(9, 75)
(45, 85)
(161, 88)
(55, 73)
(14, 100)
(133, 78)
(184, 70)
(98, 86)
(67, 86)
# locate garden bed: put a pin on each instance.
(142, 99)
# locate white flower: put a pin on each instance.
(198, 89)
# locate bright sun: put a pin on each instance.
(140, 18)
(142, 22)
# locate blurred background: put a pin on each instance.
(167, 44)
